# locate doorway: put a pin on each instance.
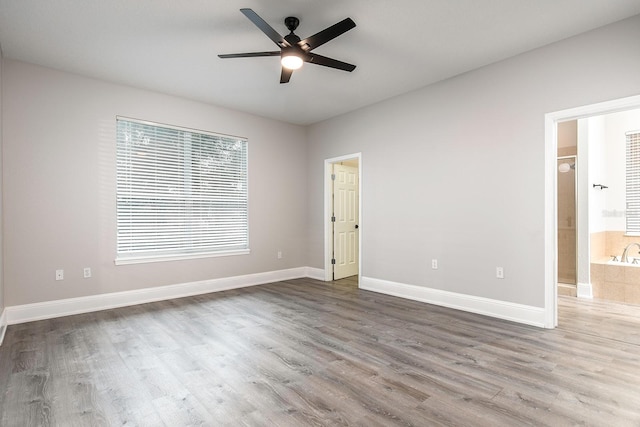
(551, 201)
(342, 218)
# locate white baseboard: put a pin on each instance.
(65, 307)
(315, 273)
(520, 313)
(585, 290)
(3, 324)
(45, 310)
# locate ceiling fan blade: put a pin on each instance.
(248, 54)
(285, 75)
(327, 34)
(265, 28)
(330, 62)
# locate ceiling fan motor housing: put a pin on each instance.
(291, 22)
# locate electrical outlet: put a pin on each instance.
(87, 272)
(500, 272)
(279, 254)
(434, 264)
(59, 274)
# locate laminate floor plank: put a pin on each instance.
(303, 352)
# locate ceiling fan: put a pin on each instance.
(293, 51)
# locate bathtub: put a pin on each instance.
(631, 262)
(616, 281)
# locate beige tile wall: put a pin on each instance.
(616, 283)
(605, 244)
(616, 242)
(567, 151)
(613, 282)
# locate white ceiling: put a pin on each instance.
(171, 46)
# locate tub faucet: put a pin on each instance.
(626, 250)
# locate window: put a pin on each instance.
(633, 183)
(181, 193)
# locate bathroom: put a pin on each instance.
(595, 224)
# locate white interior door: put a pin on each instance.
(345, 221)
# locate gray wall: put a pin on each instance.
(453, 171)
(59, 193)
(456, 170)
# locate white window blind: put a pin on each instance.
(180, 192)
(633, 182)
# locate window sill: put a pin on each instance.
(176, 257)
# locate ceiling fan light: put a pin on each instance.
(292, 62)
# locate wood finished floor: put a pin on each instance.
(304, 352)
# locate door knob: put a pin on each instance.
(357, 226)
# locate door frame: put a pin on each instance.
(328, 234)
(551, 192)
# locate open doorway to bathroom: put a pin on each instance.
(612, 187)
(601, 204)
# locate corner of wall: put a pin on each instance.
(585, 290)
(315, 273)
(3, 324)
